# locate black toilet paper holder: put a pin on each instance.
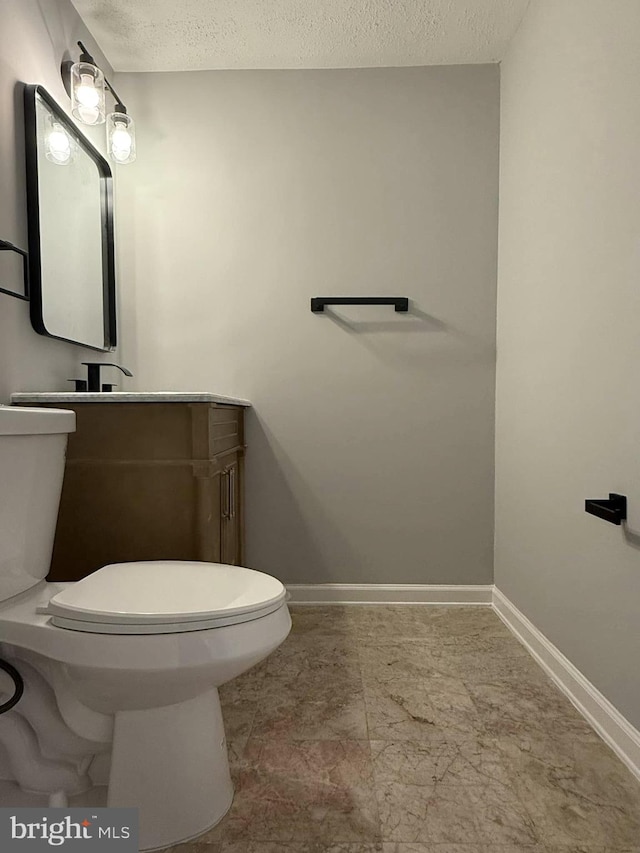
(613, 510)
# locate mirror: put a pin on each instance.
(70, 214)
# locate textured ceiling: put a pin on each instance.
(185, 35)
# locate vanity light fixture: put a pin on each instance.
(86, 85)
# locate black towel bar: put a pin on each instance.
(400, 303)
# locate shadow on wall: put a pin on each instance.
(20, 164)
(289, 533)
(631, 537)
(454, 346)
(414, 320)
(55, 28)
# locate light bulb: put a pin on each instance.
(121, 142)
(59, 148)
(89, 115)
(86, 93)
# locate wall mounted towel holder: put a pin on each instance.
(5, 246)
(613, 510)
(400, 303)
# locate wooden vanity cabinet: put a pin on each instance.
(150, 481)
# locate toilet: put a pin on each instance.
(121, 669)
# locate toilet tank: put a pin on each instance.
(32, 453)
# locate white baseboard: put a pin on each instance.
(608, 722)
(382, 593)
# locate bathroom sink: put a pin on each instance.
(126, 397)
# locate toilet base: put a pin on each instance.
(171, 764)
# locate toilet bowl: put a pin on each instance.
(134, 653)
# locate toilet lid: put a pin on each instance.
(165, 596)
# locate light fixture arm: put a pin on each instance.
(119, 107)
(85, 56)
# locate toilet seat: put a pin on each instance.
(163, 597)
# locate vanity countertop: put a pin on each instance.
(126, 397)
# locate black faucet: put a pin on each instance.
(93, 377)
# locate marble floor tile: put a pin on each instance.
(239, 702)
(235, 754)
(575, 789)
(423, 621)
(468, 762)
(439, 814)
(399, 847)
(480, 644)
(319, 621)
(318, 791)
(485, 658)
(238, 718)
(457, 793)
(331, 657)
(458, 848)
(312, 707)
(384, 847)
(296, 847)
(391, 621)
(500, 817)
(412, 660)
(421, 814)
(588, 848)
(392, 729)
(274, 847)
(447, 621)
(508, 706)
(247, 686)
(428, 709)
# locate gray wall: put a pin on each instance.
(569, 334)
(371, 442)
(34, 37)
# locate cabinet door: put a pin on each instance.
(209, 517)
(231, 510)
(113, 512)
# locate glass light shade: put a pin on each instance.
(87, 93)
(60, 148)
(121, 138)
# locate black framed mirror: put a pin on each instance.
(70, 218)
